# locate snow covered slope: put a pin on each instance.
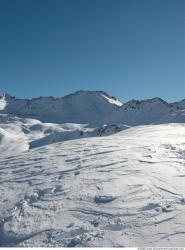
(21, 134)
(126, 189)
(180, 104)
(73, 172)
(12, 143)
(177, 116)
(145, 112)
(80, 107)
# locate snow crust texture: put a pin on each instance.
(91, 172)
(125, 189)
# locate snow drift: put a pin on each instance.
(123, 190)
(81, 171)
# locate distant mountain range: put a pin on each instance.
(94, 108)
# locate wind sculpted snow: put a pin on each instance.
(86, 177)
(126, 189)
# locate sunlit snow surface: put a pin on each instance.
(126, 189)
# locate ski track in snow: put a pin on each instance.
(126, 189)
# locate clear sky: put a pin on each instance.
(129, 48)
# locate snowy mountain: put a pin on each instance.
(94, 108)
(180, 104)
(151, 111)
(80, 107)
(46, 120)
(86, 170)
(140, 112)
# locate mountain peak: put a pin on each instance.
(137, 103)
(89, 107)
(79, 107)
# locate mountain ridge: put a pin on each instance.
(94, 108)
(79, 107)
(176, 103)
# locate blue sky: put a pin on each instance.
(129, 48)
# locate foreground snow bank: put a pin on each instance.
(126, 189)
(20, 134)
(12, 143)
